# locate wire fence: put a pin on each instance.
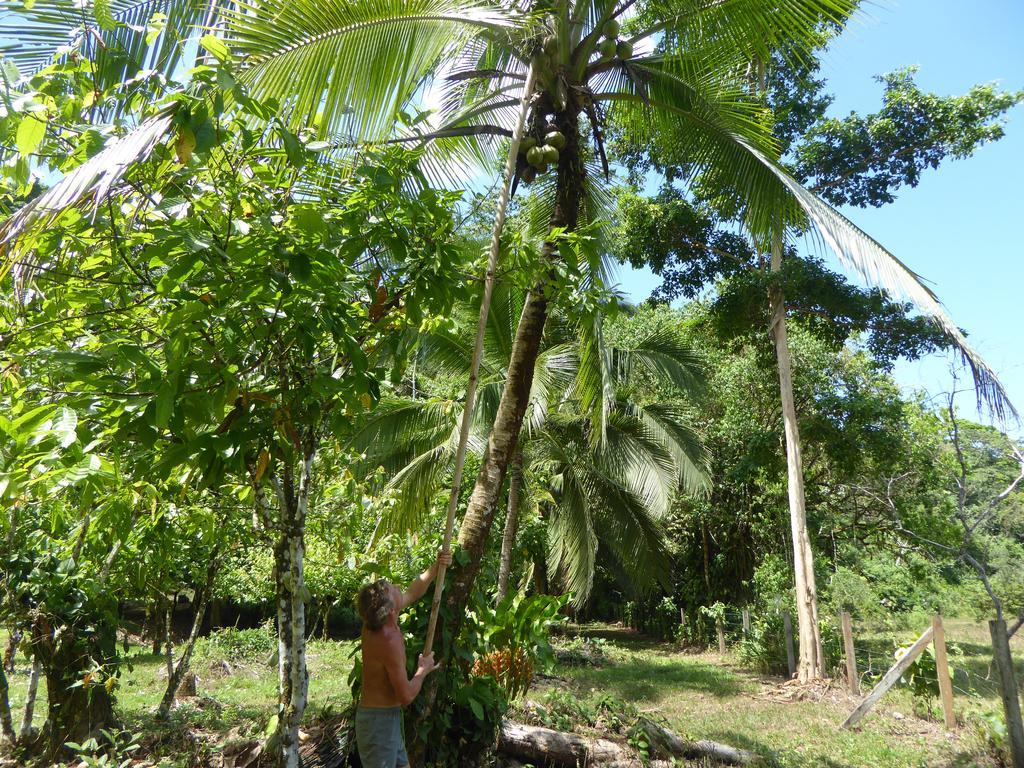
(875, 647)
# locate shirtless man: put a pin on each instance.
(386, 688)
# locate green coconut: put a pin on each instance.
(624, 50)
(527, 143)
(607, 49)
(550, 45)
(611, 29)
(535, 156)
(556, 139)
(550, 154)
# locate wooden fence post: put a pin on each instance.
(852, 678)
(787, 627)
(1008, 690)
(746, 620)
(720, 625)
(942, 672)
(895, 673)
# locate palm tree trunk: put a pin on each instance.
(508, 539)
(810, 665)
(515, 397)
(478, 348)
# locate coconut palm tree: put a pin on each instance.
(620, 485)
(349, 67)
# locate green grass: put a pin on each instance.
(701, 695)
(242, 701)
(706, 696)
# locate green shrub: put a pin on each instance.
(240, 644)
(851, 592)
(763, 648)
(989, 730)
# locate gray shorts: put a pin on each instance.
(379, 737)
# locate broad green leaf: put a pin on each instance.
(216, 46)
(31, 132)
(164, 403)
(66, 427)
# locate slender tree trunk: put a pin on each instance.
(13, 638)
(293, 678)
(168, 638)
(6, 721)
(502, 441)
(811, 664)
(540, 575)
(181, 668)
(76, 553)
(154, 618)
(508, 540)
(30, 700)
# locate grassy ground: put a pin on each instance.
(704, 695)
(701, 695)
(239, 702)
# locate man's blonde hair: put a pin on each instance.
(375, 603)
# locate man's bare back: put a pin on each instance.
(386, 687)
(381, 648)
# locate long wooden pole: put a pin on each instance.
(1008, 691)
(942, 672)
(474, 369)
(852, 678)
(889, 678)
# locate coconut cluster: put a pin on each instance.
(539, 155)
(611, 46)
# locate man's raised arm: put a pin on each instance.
(418, 587)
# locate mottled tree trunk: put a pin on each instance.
(30, 700)
(508, 539)
(13, 638)
(810, 665)
(154, 623)
(293, 679)
(168, 636)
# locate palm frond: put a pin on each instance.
(594, 385)
(399, 429)
(115, 36)
(669, 426)
(348, 67)
(730, 33)
(639, 463)
(572, 541)
(667, 357)
(881, 269)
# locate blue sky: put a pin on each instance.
(962, 227)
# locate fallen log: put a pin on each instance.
(543, 746)
(665, 743)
